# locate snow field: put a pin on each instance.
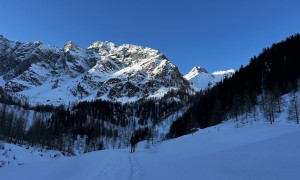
(255, 151)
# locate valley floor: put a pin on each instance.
(257, 150)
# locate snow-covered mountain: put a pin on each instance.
(51, 75)
(200, 79)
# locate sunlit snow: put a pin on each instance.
(257, 150)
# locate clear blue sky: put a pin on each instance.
(214, 34)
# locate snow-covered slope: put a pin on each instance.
(52, 75)
(200, 79)
(12, 155)
(257, 150)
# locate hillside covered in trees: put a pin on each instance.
(259, 85)
(87, 126)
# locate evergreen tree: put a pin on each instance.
(294, 108)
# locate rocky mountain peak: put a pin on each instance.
(194, 72)
(200, 79)
(102, 47)
(199, 69)
(1, 37)
(3, 42)
(71, 46)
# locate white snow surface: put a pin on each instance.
(13, 155)
(224, 72)
(257, 150)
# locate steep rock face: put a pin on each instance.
(134, 71)
(48, 74)
(200, 79)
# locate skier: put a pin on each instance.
(133, 143)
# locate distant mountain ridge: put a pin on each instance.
(51, 75)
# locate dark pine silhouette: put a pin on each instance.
(274, 72)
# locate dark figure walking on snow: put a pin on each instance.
(133, 143)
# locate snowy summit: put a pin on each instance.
(200, 79)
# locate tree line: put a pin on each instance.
(91, 125)
(271, 74)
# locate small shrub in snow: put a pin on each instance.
(71, 151)
(5, 154)
(2, 145)
(57, 155)
(147, 145)
(2, 163)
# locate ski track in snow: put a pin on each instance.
(120, 163)
(135, 168)
(109, 170)
(116, 167)
(131, 167)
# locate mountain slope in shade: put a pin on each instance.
(200, 79)
(52, 75)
